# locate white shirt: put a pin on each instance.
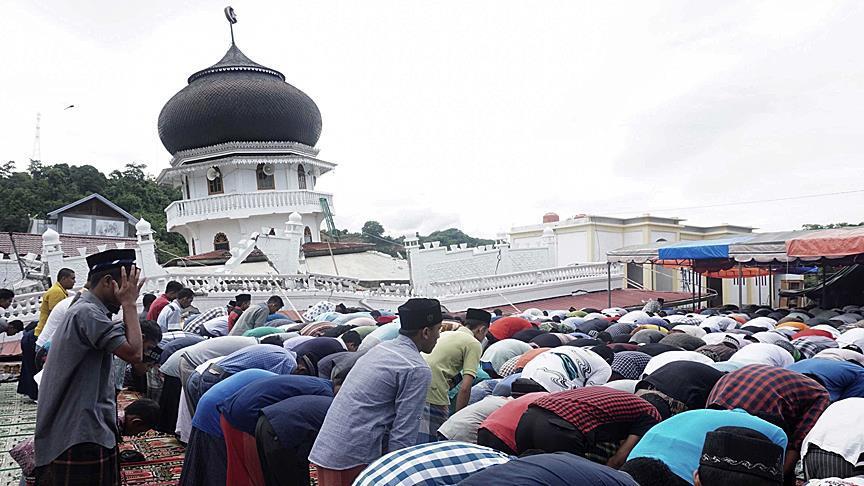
(55, 318)
(839, 430)
(169, 317)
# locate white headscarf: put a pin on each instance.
(841, 355)
(854, 337)
(630, 317)
(665, 358)
(719, 323)
(763, 353)
(566, 368)
(763, 322)
(694, 331)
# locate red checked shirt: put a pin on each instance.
(786, 398)
(606, 413)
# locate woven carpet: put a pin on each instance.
(17, 422)
(163, 454)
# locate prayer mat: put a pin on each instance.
(17, 422)
(163, 454)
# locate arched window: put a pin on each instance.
(264, 176)
(307, 235)
(220, 242)
(301, 177)
(214, 186)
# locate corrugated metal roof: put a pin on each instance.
(32, 243)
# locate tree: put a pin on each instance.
(43, 188)
(830, 226)
(373, 229)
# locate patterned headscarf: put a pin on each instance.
(567, 367)
(630, 364)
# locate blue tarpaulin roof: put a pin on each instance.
(700, 250)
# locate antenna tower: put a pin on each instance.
(37, 140)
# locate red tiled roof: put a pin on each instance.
(338, 248)
(32, 243)
(599, 300)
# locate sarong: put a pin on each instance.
(205, 461)
(431, 420)
(244, 466)
(82, 465)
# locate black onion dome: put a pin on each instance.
(238, 100)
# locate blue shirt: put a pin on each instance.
(206, 417)
(241, 409)
(678, 440)
(558, 469)
(268, 357)
(319, 347)
(841, 378)
(382, 397)
(504, 387)
(297, 420)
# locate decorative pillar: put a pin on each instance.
(147, 260)
(283, 250)
(52, 253)
(412, 247)
(550, 241)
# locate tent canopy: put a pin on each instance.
(765, 247)
(701, 249)
(831, 243)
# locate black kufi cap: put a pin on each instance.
(420, 313)
(743, 451)
(110, 259)
(240, 298)
(478, 315)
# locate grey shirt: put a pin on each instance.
(463, 424)
(203, 351)
(76, 396)
(250, 319)
(383, 397)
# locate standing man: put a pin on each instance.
(456, 352)
(169, 317)
(170, 294)
(6, 297)
(59, 291)
(256, 316)
(76, 420)
(378, 408)
(241, 303)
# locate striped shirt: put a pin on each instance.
(193, 324)
(447, 462)
(783, 397)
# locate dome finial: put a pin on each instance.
(232, 19)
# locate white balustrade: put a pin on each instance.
(497, 283)
(242, 205)
(24, 307)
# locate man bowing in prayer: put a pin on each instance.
(378, 408)
(76, 420)
(457, 352)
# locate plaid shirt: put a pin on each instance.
(590, 407)
(193, 323)
(809, 346)
(783, 397)
(436, 463)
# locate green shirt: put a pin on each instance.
(364, 331)
(262, 331)
(456, 352)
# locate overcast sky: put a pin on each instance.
(482, 114)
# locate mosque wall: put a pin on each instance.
(436, 263)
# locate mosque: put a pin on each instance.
(242, 144)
